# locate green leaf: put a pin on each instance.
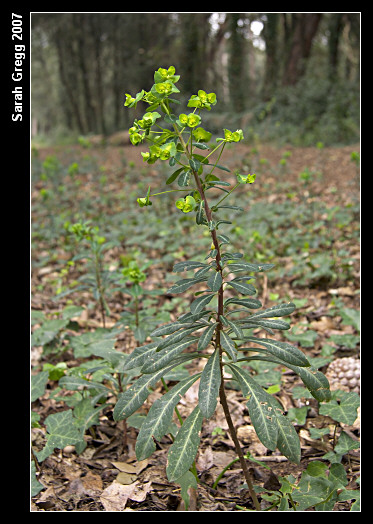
(188, 265)
(206, 336)
(185, 283)
(186, 481)
(184, 449)
(194, 164)
(38, 383)
(176, 337)
(159, 417)
(265, 323)
(228, 344)
(221, 167)
(245, 289)
(199, 303)
(209, 385)
(246, 266)
(251, 303)
(36, 486)
(61, 432)
(280, 310)
(184, 179)
(260, 408)
(315, 381)
(235, 327)
(139, 356)
(282, 350)
(168, 329)
(161, 359)
(74, 383)
(134, 397)
(342, 407)
(174, 176)
(86, 415)
(215, 281)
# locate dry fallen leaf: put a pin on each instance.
(115, 496)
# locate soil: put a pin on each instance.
(85, 482)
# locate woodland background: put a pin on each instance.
(294, 76)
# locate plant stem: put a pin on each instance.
(222, 395)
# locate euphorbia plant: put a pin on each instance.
(214, 330)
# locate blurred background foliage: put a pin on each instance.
(284, 77)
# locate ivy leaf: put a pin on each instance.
(61, 432)
(38, 383)
(184, 449)
(209, 385)
(342, 407)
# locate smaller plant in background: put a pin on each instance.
(96, 279)
(140, 316)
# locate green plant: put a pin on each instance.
(140, 319)
(214, 325)
(96, 279)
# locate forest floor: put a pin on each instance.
(80, 482)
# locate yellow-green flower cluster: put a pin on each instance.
(186, 204)
(190, 120)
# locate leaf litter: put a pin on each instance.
(106, 475)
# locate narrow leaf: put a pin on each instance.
(161, 359)
(315, 381)
(246, 266)
(245, 289)
(182, 285)
(215, 281)
(265, 323)
(159, 417)
(282, 350)
(134, 397)
(260, 408)
(184, 449)
(235, 327)
(174, 176)
(287, 441)
(209, 385)
(199, 303)
(188, 265)
(177, 337)
(280, 310)
(251, 303)
(139, 356)
(206, 336)
(228, 344)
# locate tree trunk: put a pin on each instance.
(303, 31)
(270, 35)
